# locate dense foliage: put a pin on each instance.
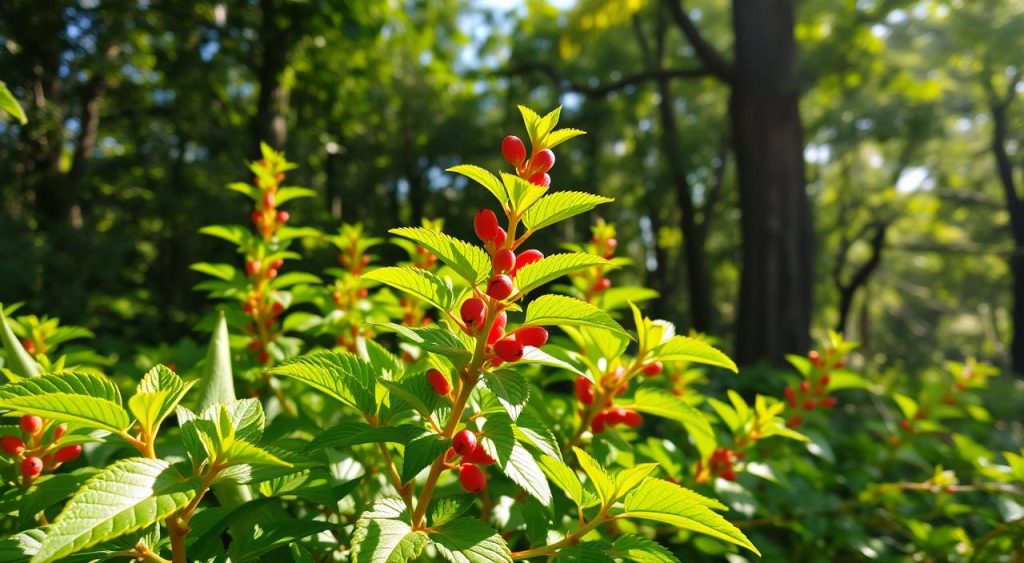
(423, 410)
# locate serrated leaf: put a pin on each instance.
(16, 358)
(642, 550)
(533, 355)
(242, 452)
(432, 339)
(511, 389)
(447, 508)
(688, 349)
(383, 535)
(244, 416)
(560, 136)
(563, 476)
(603, 483)
(341, 376)
(531, 428)
(664, 404)
(126, 496)
(586, 552)
(553, 267)
(10, 105)
(416, 282)
(348, 434)
(484, 178)
(468, 260)
(560, 310)
(157, 395)
(559, 206)
(266, 537)
(421, 452)
(75, 397)
(629, 478)
(468, 540)
(666, 502)
(531, 120)
(522, 193)
(48, 491)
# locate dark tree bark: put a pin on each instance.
(848, 290)
(270, 123)
(775, 283)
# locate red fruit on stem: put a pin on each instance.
(262, 357)
(253, 267)
(809, 404)
(504, 260)
(362, 293)
(602, 284)
(12, 445)
(542, 161)
(271, 274)
(815, 358)
(535, 336)
(805, 386)
(268, 200)
(632, 419)
(439, 382)
(611, 244)
(790, 396)
(464, 442)
(283, 216)
(473, 312)
(479, 457)
(499, 239)
(653, 368)
(59, 431)
(825, 379)
(31, 466)
(473, 478)
(498, 328)
(584, 390)
(542, 179)
(31, 424)
(68, 453)
(828, 402)
(486, 225)
(839, 364)
(277, 309)
(508, 349)
(795, 422)
(729, 475)
(597, 424)
(255, 345)
(500, 287)
(29, 346)
(514, 151)
(450, 455)
(905, 424)
(256, 217)
(526, 258)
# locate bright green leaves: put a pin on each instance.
(383, 534)
(689, 349)
(564, 477)
(216, 383)
(602, 482)
(126, 496)
(468, 540)
(416, 282)
(227, 435)
(342, 376)
(484, 178)
(559, 206)
(552, 267)
(522, 194)
(10, 105)
(467, 260)
(421, 452)
(74, 397)
(433, 339)
(559, 310)
(664, 404)
(16, 358)
(348, 434)
(157, 395)
(666, 502)
(542, 129)
(514, 460)
(641, 550)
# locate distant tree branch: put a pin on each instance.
(718, 66)
(602, 90)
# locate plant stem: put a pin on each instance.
(572, 538)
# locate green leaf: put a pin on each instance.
(74, 397)
(586, 552)
(553, 267)
(235, 234)
(689, 349)
(666, 502)
(341, 376)
(288, 193)
(522, 193)
(559, 206)
(559, 310)
(563, 476)
(532, 122)
(383, 534)
(468, 260)
(531, 428)
(216, 382)
(533, 355)
(560, 136)
(50, 490)
(10, 105)
(447, 508)
(249, 190)
(432, 339)
(511, 389)
(16, 358)
(416, 282)
(664, 404)
(157, 395)
(628, 479)
(245, 418)
(265, 537)
(348, 434)
(642, 550)
(484, 178)
(126, 496)
(603, 484)
(241, 452)
(522, 469)
(224, 272)
(468, 540)
(421, 452)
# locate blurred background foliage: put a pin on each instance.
(911, 117)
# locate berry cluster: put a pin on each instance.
(593, 282)
(266, 217)
(720, 464)
(348, 291)
(36, 448)
(468, 457)
(597, 399)
(812, 393)
(534, 169)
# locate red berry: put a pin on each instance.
(59, 431)
(283, 216)
(499, 239)
(262, 357)
(31, 466)
(450, 455)
(614, 416)
(795, 422)
(602, 284)
(729, 475)
(597, 424)
(276, 264)
(464, 442)
(508, 349)
(277, 309)
(828, 402)
(809, 404)
(473, 478)
(514, 151)
(486, 225)
(500, 287)
(839, 364)
(632, 419)
(805, 386)
(253, 267)
(905, 424)
(790, 396)
(68, 453)
(584, 390)
(12, 445)
(271, 274)
(31, 424)
(815, 358)
(479, 457)
(541, 179)
(504, 260)
(439, 382)
(362, 293)
(256, 217)
(268, 200)
(29, 346)
(473, 312)
(255, 345)
(653, 368)
(535, 336)
(611, 244)
(498, 328)
(825, 379)
(542, 161)
(526, 258)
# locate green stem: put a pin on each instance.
(570, 539)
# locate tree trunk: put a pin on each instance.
(1015, 207)
(775, 283)
(270, 124)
